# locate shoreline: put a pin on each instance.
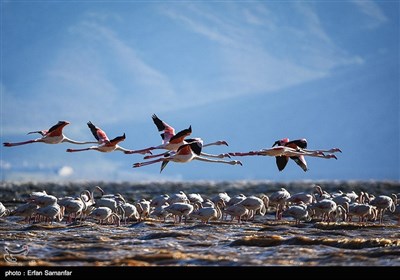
(17, 191)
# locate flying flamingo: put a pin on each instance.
(172, 141)
(52, 136)
(281, 161)
(105, 145)
(185, 153)
(282, 153)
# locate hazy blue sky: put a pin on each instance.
(248, 72)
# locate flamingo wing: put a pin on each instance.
(184, 149)
(181, 135)
(281, 162)
(117, 139)
(168, 131)
(98, 133)
(56, 129)
(301, 143)
(41, 132)
(163, 165)
(196, 147)
(301, 161)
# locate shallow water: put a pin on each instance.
(263, 242)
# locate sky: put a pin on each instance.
(247, 72)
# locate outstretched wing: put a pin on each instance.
(41, 132)
(281, 162)
(196, 146)
(181, 135)
(117, 139)
(168, 131)
(97, 132)
(301, 143)
(301, 161)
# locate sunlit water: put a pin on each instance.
(263, 242)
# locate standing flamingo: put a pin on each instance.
(105, 145)
(172, 141)
(185, 153)
(3, 210)
(52, 136)
(279, 199)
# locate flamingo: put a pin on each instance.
(279, 199)
(320, 193)
(298, 212)
(51, 212)
(42, 199)
(172, 141)
(281, 161)
(26, 210)
(54, 135)
(160, 212)
(105, 145)
(236, 199)
(253, 203)
(179, 210)
(363, 211)
(280, 151)
(222, 196)
(159, 200)
(130, 210)
(178, 197)
(286, 149)
(236, 210)
(104, 213)
(384, 202)
(185, 153)
(301, 197)
(75, 205)
(324, 207)
(3, 210)
(195, 198)
(205, 214)
(143, 207)
(300, 144)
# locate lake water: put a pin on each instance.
(262, 242)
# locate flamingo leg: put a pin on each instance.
(78, 150)
(157, 155)
(216, 156)
(143, 151)
(234, 162)
(140, 164)
(8, 144)
(238, 154)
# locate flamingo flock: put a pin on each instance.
(180, 148)
(316, 205)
